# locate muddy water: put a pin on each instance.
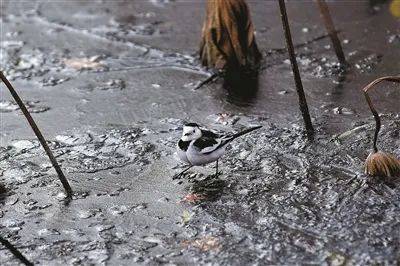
(111, 82)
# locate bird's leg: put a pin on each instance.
(181, 173)
(216, 168)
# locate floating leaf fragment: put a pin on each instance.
(83, 63)
(186, 217)
(208, 243)
(193, 198)
(336, 259)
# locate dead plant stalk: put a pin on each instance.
(39, 135)
(330, 27)
(15, 251)
(299, 85)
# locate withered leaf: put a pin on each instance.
(83, 63)
(207, 243)
(193, 198)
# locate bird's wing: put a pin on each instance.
(206, 145)
(209, 134)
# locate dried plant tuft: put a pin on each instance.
(228, 40)
(379, 163)
(382, 164)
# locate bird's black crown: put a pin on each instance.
(191, 125)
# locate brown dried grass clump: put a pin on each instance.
(228, 39)
(379, 163)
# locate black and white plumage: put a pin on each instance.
(199, 146)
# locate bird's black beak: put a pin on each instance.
(187, 134)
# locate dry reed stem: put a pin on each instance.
(299, 85)
(15, 251)
(38, 134)
(330, 27)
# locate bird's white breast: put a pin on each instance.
(181, 154)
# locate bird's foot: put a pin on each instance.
(217, 174)
(181, 174)
(178, 176)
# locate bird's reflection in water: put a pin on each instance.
(373, 3)
(210, 187)
(338, 91)
(3, 192)
(242, 87)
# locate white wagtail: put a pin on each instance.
(198, 146)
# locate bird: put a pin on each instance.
(198, 146)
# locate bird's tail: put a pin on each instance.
(248, 130)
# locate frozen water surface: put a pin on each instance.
(111, 82)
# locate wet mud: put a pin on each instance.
(112, 82)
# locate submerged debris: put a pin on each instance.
(53, 81)
(32, 106)
(112, 84)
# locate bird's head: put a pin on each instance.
(191, 132)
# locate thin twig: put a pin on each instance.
(299, 45)
(296, 73)
(208, 80)
(330, 27)
(372, 108)
(15, 251)
(39, 135)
